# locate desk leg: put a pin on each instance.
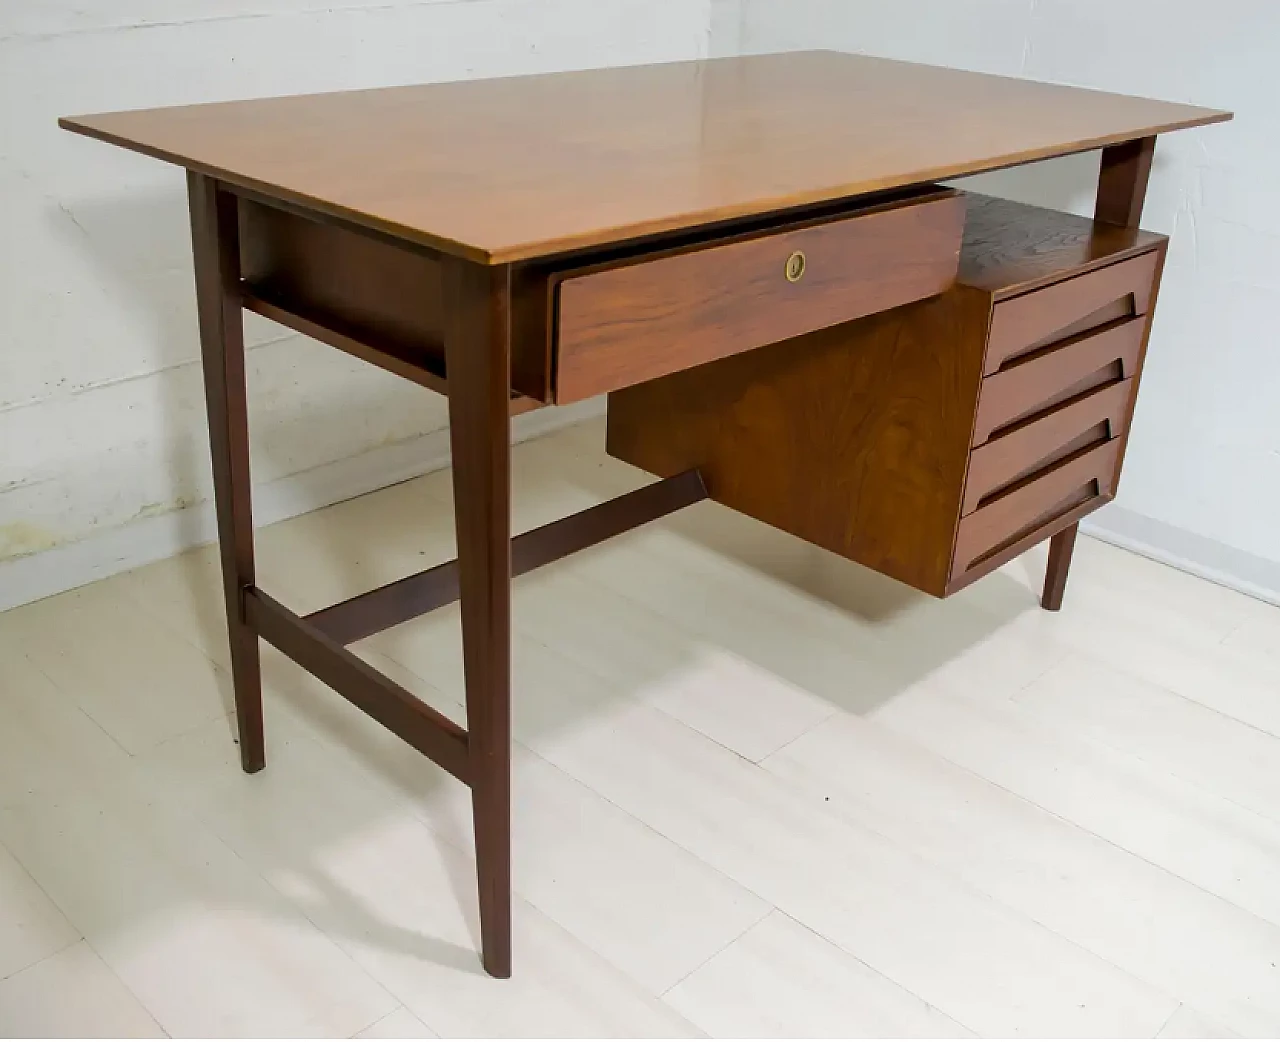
(1122, 182)
(215, 243)
(1055, 579)
(1122, 189)
(477, 364)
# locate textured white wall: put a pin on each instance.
(102, 454)
(102, 439)
(1202, 477)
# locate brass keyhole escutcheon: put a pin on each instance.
(795, 267)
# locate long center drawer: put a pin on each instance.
(659, 315)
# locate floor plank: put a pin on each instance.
(944, 942)
(1199, 835)
(1187, 1023)
(31, 926)
(138, 686)
(758, 791)
(780, 979)
(398, 1024)
(1192, 741)
(204, 942)
(47, 740)
(72, 995)
(355, 857)
(1111, 902)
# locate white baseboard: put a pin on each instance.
(106, 553)
(1188, 552)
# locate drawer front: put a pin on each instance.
(1042, 441)
(1057, 373)
(626, 325)
(1034, 503)
(1028, 322)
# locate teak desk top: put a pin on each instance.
(511, 169)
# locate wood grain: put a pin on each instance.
(369, 613)
(857, 438)
(1059, 527)
(1056, 373)
(1028, 321)
(1061, 548)
(1042, 441)
(364, 294)
(478, 355)
(1122, 187)
(405, 360)
(1123, 174)
(510, 169)
(640, 321)
(1032, 503)
(361, 283)
(399, 711)
(216, 254)
(1011, 248)
(854, 438)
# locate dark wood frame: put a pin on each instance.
(482, 317)
(478, 363)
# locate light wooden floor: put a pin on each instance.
(758, 791)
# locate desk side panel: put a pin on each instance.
(372, 291)
(854, 438)
(365, 286)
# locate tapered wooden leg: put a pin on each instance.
(477, 362)
(216, 248)
(1055, 576)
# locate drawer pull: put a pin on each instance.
(795, 266)
(1028, 505)
(1039, 443)
(1056, 373)
(1033, 320)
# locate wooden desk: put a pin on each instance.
(749, 254)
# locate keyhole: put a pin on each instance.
(795, 267)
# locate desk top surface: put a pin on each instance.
(511, 169)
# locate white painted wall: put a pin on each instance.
(102, 446)
(103, 459)
(1202, 478)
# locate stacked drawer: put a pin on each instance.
(1054, 404)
